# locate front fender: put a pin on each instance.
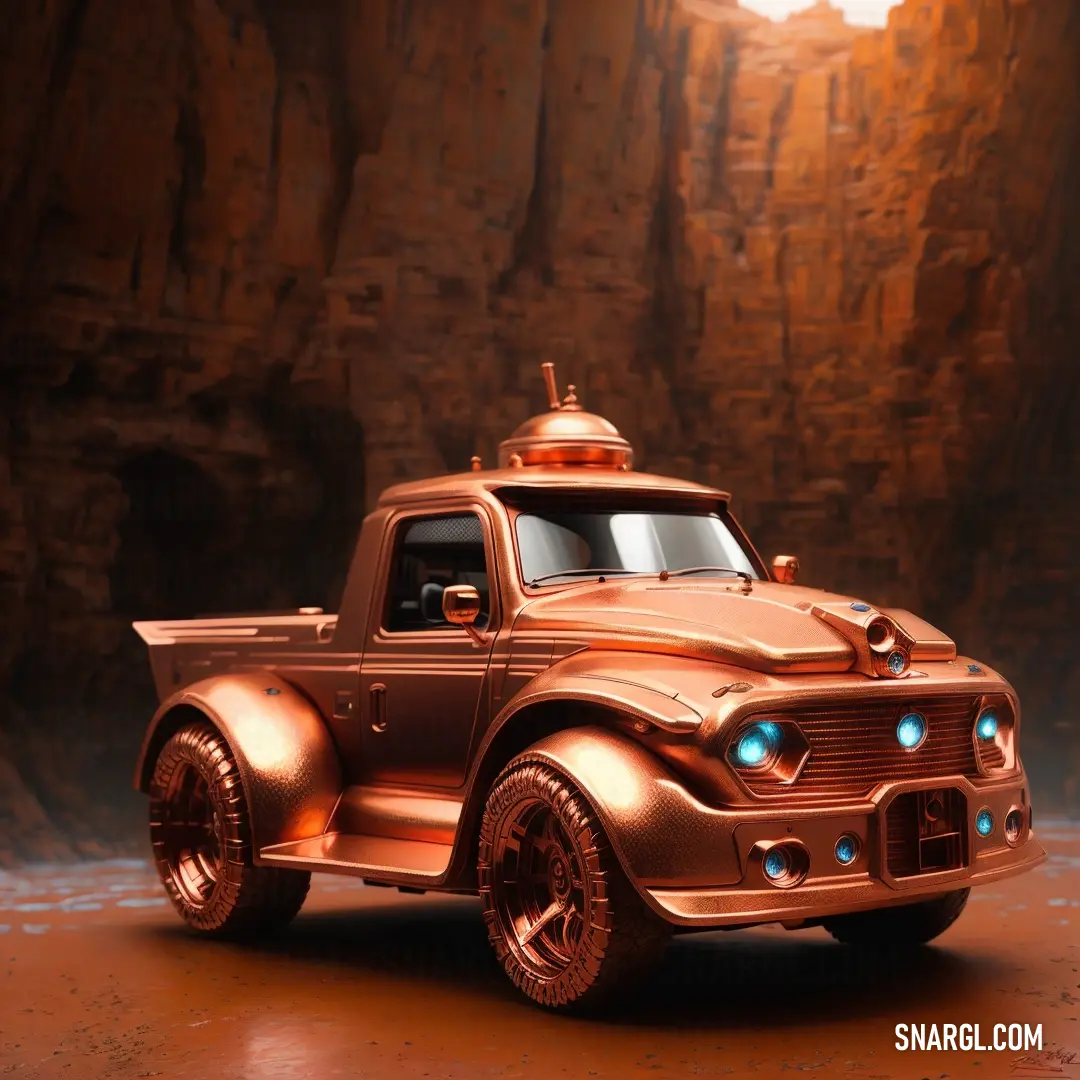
(665, 692)
(661, 834)
(287, 761)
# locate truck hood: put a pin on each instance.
(771, 629)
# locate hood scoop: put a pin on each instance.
(778, 629)
(709, 621)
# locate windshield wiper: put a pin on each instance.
(582, 573)
(665, 574)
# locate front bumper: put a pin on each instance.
(831, 889)
(699, 865)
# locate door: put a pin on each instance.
(422, 679)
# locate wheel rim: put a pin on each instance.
(539, 889)
(191, 836)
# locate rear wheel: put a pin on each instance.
(566, 924)
(909, 924)
(200, 831)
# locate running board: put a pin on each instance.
(380, 832)
(363, 856)
(400, 813)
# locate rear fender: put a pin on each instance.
(287, 761)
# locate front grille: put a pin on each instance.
(853, 747)
(925, 832)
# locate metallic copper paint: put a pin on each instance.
(740, 906)
(405, 862)
(567, 478)
(873, 636)
(930, 642)
(376, 756)
(710, 619)
(405, 814)
(567, 438)
(785, 569)
(287, 762)
(660, 832)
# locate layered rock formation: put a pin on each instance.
(261, 259)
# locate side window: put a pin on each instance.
(430, 554)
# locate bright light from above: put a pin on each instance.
(856, 12)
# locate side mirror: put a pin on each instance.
(461, 606)
(785, 569)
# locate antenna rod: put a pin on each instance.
(548, 369)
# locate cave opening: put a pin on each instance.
(168, 565)
(868, 13)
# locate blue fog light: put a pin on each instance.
(984, 822)
(757, 744)
(911, 731)
(846, 850)
(897, 662)
(776, 864)
(987, 725)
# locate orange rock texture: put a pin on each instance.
(260, 258)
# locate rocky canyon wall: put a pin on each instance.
(260, 258)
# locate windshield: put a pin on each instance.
(559, 546)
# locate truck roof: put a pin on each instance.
(559, 478)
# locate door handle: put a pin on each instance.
(378, 707)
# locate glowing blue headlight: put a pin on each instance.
(911, 731)
(846, 850)
(987, 724)
(776, 864)
(984, 822)
(758, 743)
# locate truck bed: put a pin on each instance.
(182, 651)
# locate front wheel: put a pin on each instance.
(909, 924)
(566, 924)
(200, 831)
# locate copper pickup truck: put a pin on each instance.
(577, 691)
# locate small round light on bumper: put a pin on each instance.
(786, 864)
(846, 849)
(1014, 826)
(984, 822)
(777, 864)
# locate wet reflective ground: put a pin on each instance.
(98, 979)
